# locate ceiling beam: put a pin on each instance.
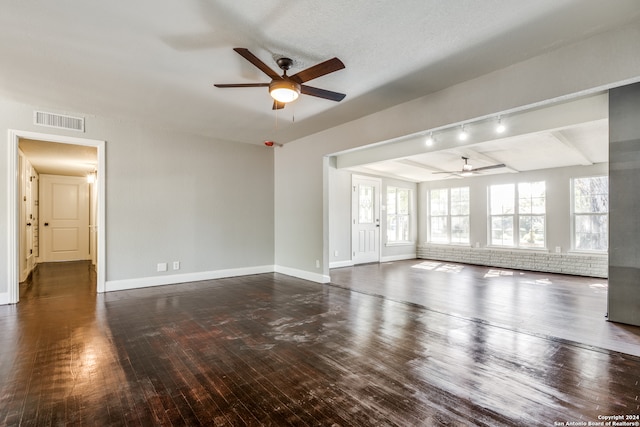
(562, 138)
(551, 118)
(415, 164)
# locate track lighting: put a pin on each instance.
(463, 135)
(500, 128)
(429, 141)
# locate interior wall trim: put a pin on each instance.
(302, 274)
(340, 264)
(399, 257)
(174, 279)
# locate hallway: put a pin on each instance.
(270, 349)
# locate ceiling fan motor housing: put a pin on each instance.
(284, 63)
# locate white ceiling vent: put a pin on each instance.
(59, 121)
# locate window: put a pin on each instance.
(460, 215)
(449, 215)
(524, 205)
(590, 213)
(398, 208)
(531, 214)
(502, 214)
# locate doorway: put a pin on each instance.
(98, 229)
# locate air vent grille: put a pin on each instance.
(59, 121)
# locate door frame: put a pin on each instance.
(13, 268)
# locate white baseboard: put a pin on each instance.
(172, 279)
(349, 263)
(302, 274)
(145, 282)
(340, 264)
(398, 257)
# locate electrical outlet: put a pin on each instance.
(162, 266)
(317, 263)
(335, 253)
(176, 265)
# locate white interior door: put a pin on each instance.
(365, 211)
(64, 218)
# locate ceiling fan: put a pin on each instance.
(284, 88)
(468, 170)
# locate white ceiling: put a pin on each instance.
(155, 61)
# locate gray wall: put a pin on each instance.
(169, 197)
(624, 204)
(602, 61)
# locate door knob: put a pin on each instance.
(46, 224)
(28, 224)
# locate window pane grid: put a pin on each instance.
(449, 215)
(525, 207)
(398, 214)
(502, 230)
(590, 213)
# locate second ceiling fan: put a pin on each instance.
(284, 88)
(468, 170)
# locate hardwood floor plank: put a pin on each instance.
(402, 346)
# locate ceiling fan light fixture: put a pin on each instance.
(284, 90)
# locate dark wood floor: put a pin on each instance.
(555, 305)
(273, 350)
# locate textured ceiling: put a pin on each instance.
(155, 61)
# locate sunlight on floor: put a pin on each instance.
(600, 288)
(498, 273)
(438, 266)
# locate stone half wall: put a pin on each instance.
(577, 264)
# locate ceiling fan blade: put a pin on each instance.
(242, 85)
(278, 105)
(322, 93)
(488, 167)
(257, 62)
(452, 172)
(326, 67)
